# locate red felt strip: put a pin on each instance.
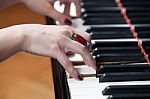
(132, 29)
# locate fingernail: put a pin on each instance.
(80, 77)
(68, 22)
(70, 54)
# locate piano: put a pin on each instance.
(123, 70)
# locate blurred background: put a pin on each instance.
(24, 76)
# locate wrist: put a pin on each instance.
(26, 34)
(11, 40)
(18, 34)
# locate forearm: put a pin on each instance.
(10, 42)
(5, 3)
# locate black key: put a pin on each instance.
(99, 15)
(140, 15)
(144, 34)
(137, 9)
(94, 0)
(98, 4)
(113, 50)
(114, 44)
(140, 20)
(143, 31)
(142, 28)
(117, 10)
(120, 68)
(110, 32)
(135, 3)
(146, 45)
(119, 57)
(108, 15)
(126, 89)
(130, 96)
(115, 20)
(111, 35)
(145, 12)
(99, 21)
(103, 10)
(118, 34)
(99, 50)
(109, 28)
(126, 76)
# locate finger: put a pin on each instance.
(82, 50)
(62, 1)
(51, 1)
(86, 36)
(78, 7)
(65, 62)
(67, 8)
(70, 54)
(62, 18)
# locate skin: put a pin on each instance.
(45, 7)
(45, 40)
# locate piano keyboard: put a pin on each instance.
(122, 71)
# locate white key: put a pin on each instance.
(90, 87)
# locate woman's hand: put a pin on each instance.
(52, 41)
(67, 4)
(45, 7)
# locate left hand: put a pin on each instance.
(45, 7)
(67, 4)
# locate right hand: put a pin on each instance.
(51, 41)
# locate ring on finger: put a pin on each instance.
(79, 39)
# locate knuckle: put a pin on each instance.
(54, 47)
(66, 30)
(67, 27)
